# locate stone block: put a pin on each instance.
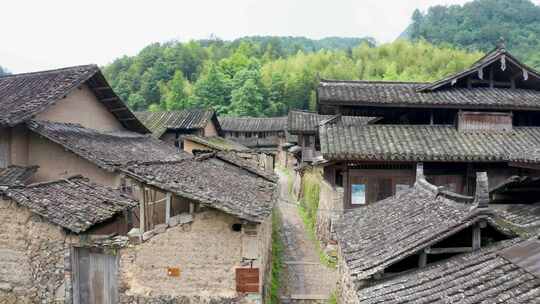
(160, 228)
(147, 235)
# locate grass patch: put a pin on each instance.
(333, 298)
(309, 204)
(277, 259)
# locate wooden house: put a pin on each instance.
(69, 206)
(305, 125)
(485, 118)
(255, 132)
(435, 245)
(172, 126)
(197, 144)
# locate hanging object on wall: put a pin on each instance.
(173, 271)
(525, 75)
(503, 62)
(481, 73)
(454, 81)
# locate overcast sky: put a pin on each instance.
(36, 35)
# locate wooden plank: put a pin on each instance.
(142, 213)
(168, 207)
(247, 280)
(448, 250)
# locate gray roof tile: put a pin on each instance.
(107, 150)
(425, 143)
(75, 203)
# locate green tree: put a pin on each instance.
(175, 93)
(247, 100)
(213, 90)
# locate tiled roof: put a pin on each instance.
(234, 159)
(526, 216)
(403, 94)
(107, 150)
(308, 122)
(378, 235)
(217, 184)
(423, 143)
(485, 276)
(217, 143)
(75, 203)
(16, 175)
(490, 58)
(253, 124)
(443, 93)
(160, 122)
(22, 96)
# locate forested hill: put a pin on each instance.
(263, 76)
(478, 25)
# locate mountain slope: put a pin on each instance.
(479, 24)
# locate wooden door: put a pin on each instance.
(94, 277)
(247, 280)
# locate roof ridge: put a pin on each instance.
(39, 184)
(50, 71)
(372, 81)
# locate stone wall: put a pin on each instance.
(35, 259)
(330, 210)
(206, 251)
(346, 288)
(32, 255)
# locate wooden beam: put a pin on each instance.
(118, 109)
(492, 83)
(104, 88)
(168, 207)
(109, 99)
(448, 250)
(126, 119)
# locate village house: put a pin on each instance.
(77, 215)
(172, 126)
(485, 118)
(194, 144)
(438, 246)
(305, 125)
(265, 133)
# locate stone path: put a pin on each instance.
(304, 278)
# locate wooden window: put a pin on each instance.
(247, 280)
(491, 121)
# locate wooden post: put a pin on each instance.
(142, 208)
(476, 237)
(491, 76)
(422, 261)
(191, 208)
(168, 207)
